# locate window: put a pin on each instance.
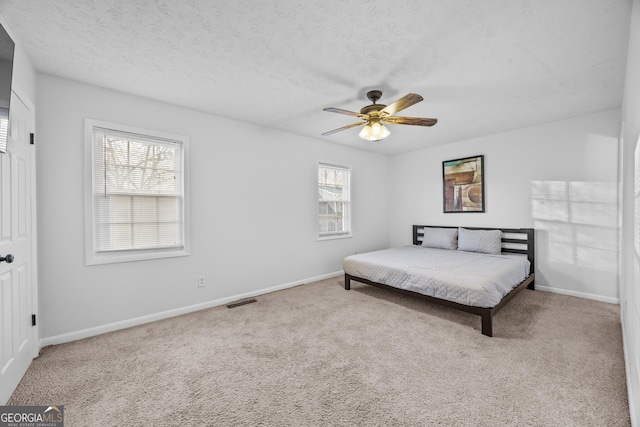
(334, 201)
(135, 194)
(4, 129)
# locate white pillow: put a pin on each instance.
(440, 238)
(483, 241)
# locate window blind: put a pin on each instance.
(138, 192)
(334, 203)
(4, 129)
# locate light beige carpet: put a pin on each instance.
(318, 355)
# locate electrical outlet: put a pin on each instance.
(201, 281)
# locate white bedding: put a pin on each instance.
(468, 278)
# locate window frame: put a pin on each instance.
(347, 212)
(93, 257)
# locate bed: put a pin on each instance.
(476, 270)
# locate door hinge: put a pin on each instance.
(32, 138)
(33, 317)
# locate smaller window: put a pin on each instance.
(334, 201)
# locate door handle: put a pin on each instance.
(8, 258)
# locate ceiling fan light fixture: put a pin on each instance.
(373, 116)
(374, 131)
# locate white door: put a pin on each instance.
(17, 294)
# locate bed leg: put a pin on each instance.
(532, 286)
(487, 324)
(347, 282)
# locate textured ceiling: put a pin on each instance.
(483, 67)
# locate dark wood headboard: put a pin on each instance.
(514, 240)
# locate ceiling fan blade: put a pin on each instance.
(402, 103)
(344, 128)
(415, 121)
(341, 111)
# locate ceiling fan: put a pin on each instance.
(375, 115)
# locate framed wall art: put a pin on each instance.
(463, 184)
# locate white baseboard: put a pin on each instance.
(610, 300)
(86, 333)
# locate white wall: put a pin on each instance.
(253, 210)
(559, 178)
(630, 276)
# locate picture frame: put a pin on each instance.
(463, 185)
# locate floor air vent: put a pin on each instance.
(243, 302)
